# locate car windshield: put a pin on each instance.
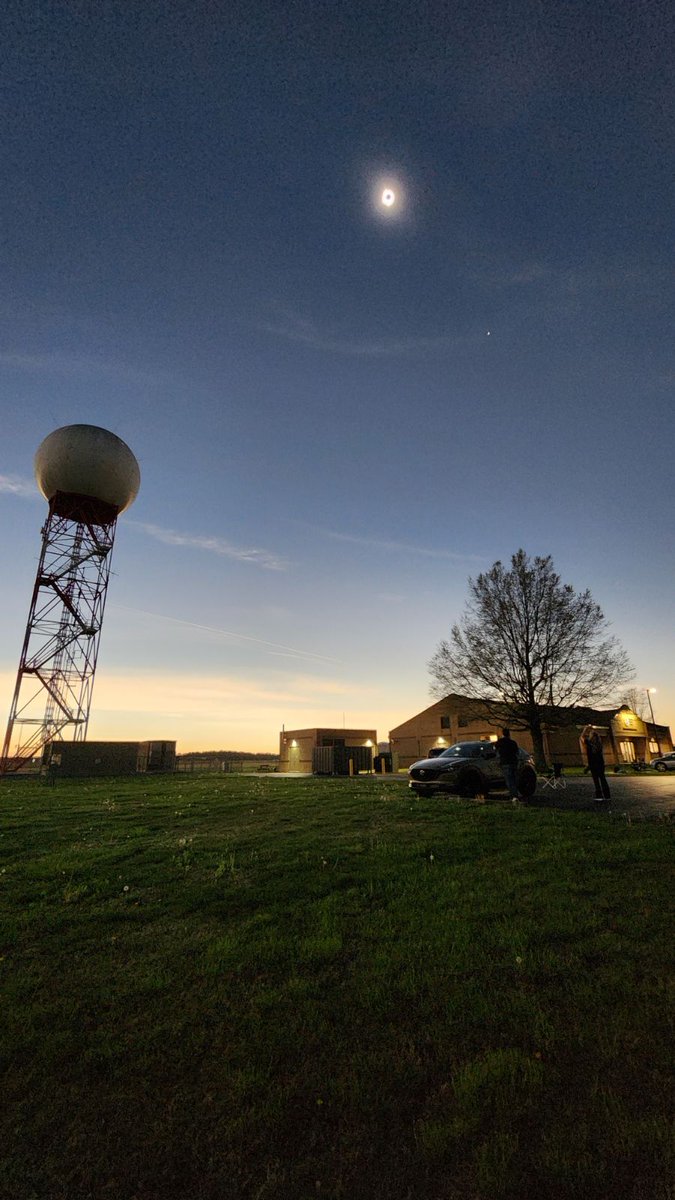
(462, 750)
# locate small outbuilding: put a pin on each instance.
(327, 751)
(88, 759)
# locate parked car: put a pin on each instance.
(469, 769)
(666, 762)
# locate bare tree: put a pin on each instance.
(529, 649)
(635, 699)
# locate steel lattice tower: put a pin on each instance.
(58, 660)
(55, 680)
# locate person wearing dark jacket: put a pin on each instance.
(508, 753)
(596, 762)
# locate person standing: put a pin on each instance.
(508, 752)
(596, 762)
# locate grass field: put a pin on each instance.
(225, 987)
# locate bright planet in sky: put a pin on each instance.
(388, 197)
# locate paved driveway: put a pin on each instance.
(640, 795)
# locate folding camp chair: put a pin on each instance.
(555, 778)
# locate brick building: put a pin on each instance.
(300, 750)
(626, 737)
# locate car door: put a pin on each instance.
(491, 763)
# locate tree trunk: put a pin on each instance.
(538, 746)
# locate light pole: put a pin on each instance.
(649, 697)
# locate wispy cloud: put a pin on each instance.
(216, 698)
(582, 279)
(16, 486)
(213, 545)
(295, 327)
(80, 366)
(524, 274)
(229, 633)
(387, 546)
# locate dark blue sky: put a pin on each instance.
(354, 409)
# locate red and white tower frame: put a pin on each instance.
(54, 684)
(55, 680)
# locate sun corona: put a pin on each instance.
(388, 198)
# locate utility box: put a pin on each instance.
(90, 759)
(157, 757)
(82, 759)
(383, 764)
(341, 760)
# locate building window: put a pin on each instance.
(653, 747)
(463, 722)
(627, 751)
(445, 722)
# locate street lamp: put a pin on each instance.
(649, 697)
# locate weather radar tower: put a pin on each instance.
(88, 476)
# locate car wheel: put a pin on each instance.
(470, 784)
(527, 782)
(661, 767)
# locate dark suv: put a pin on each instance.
(469, 769)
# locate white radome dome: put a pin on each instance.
(87, 461)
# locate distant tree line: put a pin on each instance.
(228, 755)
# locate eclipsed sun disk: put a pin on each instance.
(388, 197)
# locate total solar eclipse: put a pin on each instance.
(388, 198)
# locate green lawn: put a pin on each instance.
(222, 987)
